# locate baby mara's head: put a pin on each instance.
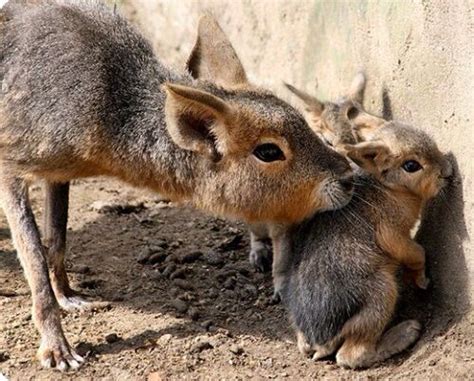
(402, 158)
(334, 121)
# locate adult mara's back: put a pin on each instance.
(83, 95)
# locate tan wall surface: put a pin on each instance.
(419, 59)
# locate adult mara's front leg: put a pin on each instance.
(260, 248)
(55, 230)
(54, 349)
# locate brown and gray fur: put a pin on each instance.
(82, 94)
(341, 285)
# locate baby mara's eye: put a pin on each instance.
(268, 152)
(411, 166)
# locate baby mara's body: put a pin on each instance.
(340, 285)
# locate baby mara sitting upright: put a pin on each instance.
(341, 287)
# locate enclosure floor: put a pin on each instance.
(229, 331)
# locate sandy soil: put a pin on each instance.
(185, 303)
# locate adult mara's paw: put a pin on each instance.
(59, 355)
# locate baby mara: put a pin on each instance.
(341, 286)
(82, 94)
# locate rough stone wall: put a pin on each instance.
(419, 59)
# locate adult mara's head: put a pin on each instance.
(261, 161)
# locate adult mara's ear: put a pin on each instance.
(371, 156)
(314, 106)
(197, 120)
(213, 56)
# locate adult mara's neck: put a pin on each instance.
(143, 153)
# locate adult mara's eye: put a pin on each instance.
(268, 152)
(411, 166)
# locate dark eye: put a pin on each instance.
(268, 152)
(411, 166)
(352, 112)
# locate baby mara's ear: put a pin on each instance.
(314, 106)
(213, 57)
(363, 123)
(356, 91)
(371, 156)
(198, 121)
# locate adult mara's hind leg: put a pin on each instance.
(55, 230)
(54, 349)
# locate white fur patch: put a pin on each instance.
(415, 228)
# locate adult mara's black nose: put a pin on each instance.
(347, 182)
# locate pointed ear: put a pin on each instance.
(363, 123)
(197, 120)
(356, 91)
(313, 105)
(371, 156)
(213, 57)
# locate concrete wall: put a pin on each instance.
(419, 58)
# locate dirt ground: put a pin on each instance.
(185, 303)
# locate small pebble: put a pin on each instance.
(155, 376)
(90, 284)
(230, 283)
(190, 257)
(4, 356)
(82, 269)
(157, 258)
(232, 243)
(214, 259)
(112, 338)
(166, 338)
(236, 350)
(201, 346)
(178, 274)
(169, 269)
(179, 305)
(183, 284)
(193, 313)
(207, 324)
(144, 256)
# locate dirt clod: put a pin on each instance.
(112, 338)
(157, 258)
(233, 243)
(183, 284)
(180, 305)
(178, 274)
(4, 356)
(169, 269)
(190, 257)
(193, 313)
(236, 350)
(201, 346)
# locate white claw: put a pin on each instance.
(74, 364)
(78, 358)
(62, 366)
(47, 363)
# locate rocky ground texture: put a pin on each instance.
(184, 303)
